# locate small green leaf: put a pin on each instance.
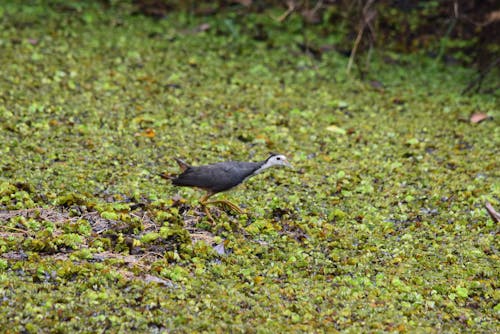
(462, 292)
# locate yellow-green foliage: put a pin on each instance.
(380, 227)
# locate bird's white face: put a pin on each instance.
(277, 160)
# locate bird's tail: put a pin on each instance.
(182, 164)
(168, 176)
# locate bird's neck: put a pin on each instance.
(263, 166)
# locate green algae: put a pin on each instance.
(380, 227)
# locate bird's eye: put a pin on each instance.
(278, 158)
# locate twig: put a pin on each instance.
(15, 229)
(355, 48)
(443, 40)
(291, 8)
(479, 79)
(365, 22)
(494, 215)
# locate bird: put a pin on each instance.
(222, 176)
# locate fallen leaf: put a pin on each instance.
(258, 279)
(336, 129)
(478, 117)
(149, 133)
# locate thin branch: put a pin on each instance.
(292, 6)
(355, 48)
(367, 18)
(479, 79)
(494, 215)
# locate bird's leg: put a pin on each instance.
(203, 202)
(209, 215)
(229, 204)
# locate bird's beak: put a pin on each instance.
(288, 164)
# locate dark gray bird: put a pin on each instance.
(222, 176)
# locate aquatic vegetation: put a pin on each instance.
(380, 227)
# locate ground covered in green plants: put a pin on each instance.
(381, 226)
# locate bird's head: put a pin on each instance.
(277, 160)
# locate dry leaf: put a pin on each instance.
(336, 129)
(149, 133)
(478, 117)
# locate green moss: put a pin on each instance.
(109, 215)
(149, 237)
(379, 228)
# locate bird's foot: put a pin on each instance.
(232, 206)
(226, 203)
(207, 213)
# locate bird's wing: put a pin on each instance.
(239, 169)
(216, 177)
